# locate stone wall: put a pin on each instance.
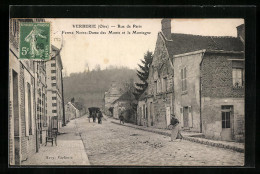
(28, 141)
(140, 117)
(14, 64)
(216, 72)
(159, 99)
(218, 90)
(212, 118)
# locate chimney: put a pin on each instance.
(166, 28)
(241, 32)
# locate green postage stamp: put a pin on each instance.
(34, 41)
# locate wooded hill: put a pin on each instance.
(90, 87)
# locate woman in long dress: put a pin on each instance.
(175, 129)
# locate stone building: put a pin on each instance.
(23, 130)
(205, 71)
(55, 89)
(41, 101)
(156, 105)
(71, 112)
(114, 92)
(200, 79)
(123, 106)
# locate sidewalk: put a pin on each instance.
(69, 150)
(190, 136)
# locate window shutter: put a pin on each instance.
(181, 117)
(32, 111)
(26, 111)
(190, 117)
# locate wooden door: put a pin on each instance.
(17, 149)
(151, 114)
(168, 116)
(227, 119)
(185, 117)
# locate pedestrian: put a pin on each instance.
(175, 129)
(94, 116)
(100, 115)
(121, 118)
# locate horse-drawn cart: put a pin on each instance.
(93, 113)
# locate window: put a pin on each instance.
(14, 26)
(143, 111)
(238, 77)
(53, 64)
(184, 79)
(53, 78)
(164, 84)
(44, 108)
(155, 87)
(226, 113)
(54, 104)
(54, 98)
(53, 71)
(53, 84)
(54, 111)
(158, 86)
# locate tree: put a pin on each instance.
(143, 74)
(97, 67)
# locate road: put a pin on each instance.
(112, 144)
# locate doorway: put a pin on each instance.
(186, 117)
(168, 116)
(17, 148)
(227, 123)
(151, 113)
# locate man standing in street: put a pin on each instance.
(100, 115)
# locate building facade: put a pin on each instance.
(200, 79)
(24, 132)
(114, 92)
(123, 106)
(156, 105)
(71, 112)
(222, 95)
(54, 89)
(41, 101)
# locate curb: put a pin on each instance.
(192, 139)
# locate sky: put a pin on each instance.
(83, 51)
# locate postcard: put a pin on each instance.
(126, 92)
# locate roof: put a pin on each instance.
(185, 43)
(127, 96)
(72, 105)
(115, 89)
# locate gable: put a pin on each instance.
(160, 65)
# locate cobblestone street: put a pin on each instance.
(111, 144)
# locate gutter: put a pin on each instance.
(64, 118)
(202, 56)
